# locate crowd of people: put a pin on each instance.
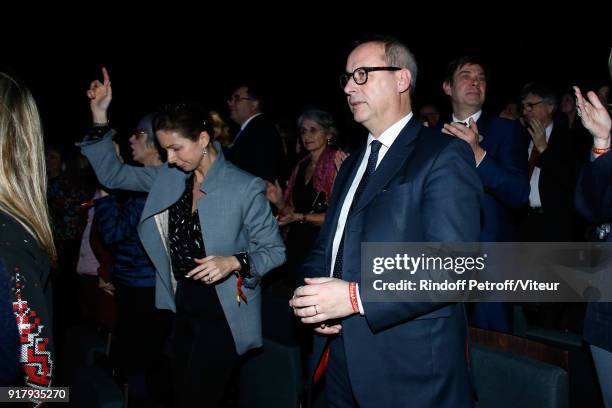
(172, 246)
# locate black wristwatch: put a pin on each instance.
(245, 265)
(98, 130)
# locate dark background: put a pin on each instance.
(298, 62)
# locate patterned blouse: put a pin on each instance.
(185, 233)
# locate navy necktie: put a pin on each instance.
(370, 168)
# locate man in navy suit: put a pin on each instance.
(499, 151)
(408, 184)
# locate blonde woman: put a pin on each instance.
(221, 129)
(26, 244)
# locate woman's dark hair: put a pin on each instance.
(187, 118)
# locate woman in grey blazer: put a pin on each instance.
(209, 231)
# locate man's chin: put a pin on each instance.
(475, 101)
(359, 117)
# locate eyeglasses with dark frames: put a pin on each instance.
(360, 75)
(238, 98)
(526, 106)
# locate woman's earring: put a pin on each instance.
(204, 151)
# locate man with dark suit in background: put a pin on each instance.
(553, 172)
(257, 147)
(501, 164)
(407, 184)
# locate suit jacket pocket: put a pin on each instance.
(442, 312)
(396, 190)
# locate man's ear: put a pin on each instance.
(446, 87)
(404, 80)
(255, 105)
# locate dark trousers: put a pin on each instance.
(204, 352)
(140, 331)
(338, 388)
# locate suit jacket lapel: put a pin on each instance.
(344, 179)
(166, 189)
(245, 133)
(215, 177)
(483, 124)
(400, 150)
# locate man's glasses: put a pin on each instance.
(360, 75)
(238, 98)
(526, 106)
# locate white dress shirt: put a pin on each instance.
(474, 117)
(386, 138)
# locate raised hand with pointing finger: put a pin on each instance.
(100, 95)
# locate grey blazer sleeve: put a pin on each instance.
(110, 171)
(266, 247)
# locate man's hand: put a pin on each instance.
(594, 117)
(339, 158)
(538, 134)
(100, 95)
(467, 133)
(322, 299)
(289, 217)
(213, 268)
(107, 287)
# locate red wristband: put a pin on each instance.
(353, 296)
(600, 151)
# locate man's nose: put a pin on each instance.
(350, 86)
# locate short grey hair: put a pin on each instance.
(323, 118)
(397, 54)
